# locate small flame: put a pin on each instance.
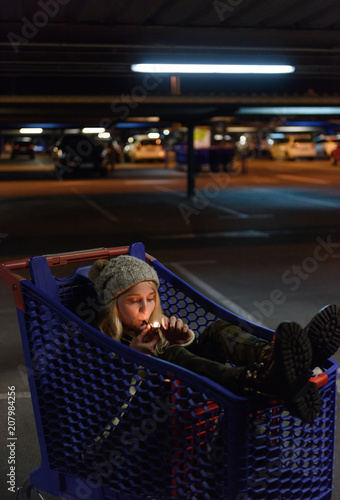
(156, 324)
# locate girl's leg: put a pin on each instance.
(285, 375)
(222, 341)
(230, 377)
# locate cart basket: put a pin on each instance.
(116, 424)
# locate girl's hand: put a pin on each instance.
(145, 342)
(175, 331)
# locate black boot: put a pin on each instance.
(324, 334)
(286, 375)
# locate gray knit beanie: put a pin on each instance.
(113, 277)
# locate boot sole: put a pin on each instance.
(306, 404)
(324, 333)
(294, 349)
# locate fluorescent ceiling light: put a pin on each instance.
(287, 110)
(297, 128)
(93, 130)
(213, 68)
(31, 130)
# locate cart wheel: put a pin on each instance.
(24, 492)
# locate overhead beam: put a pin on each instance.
(270, 100)
(171, 37)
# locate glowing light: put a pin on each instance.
(290, 110)
(31, 130)
(153, 135)
(104, 135)
(93, 130)
(166, 131)
(72, 131)
(213, 68)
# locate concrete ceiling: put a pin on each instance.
(69, 61)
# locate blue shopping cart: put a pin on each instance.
(115, 424)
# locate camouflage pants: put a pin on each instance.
(218, 348)
(224, 342)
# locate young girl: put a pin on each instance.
(224, 352)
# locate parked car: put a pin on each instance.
(292, 147)
(23, 146)
(77, 154)
(324, 145)
(145, 148)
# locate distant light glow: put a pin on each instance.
(293, 129)
(72, 131)
(277, 136)
(31, 130)
(242, 129)
(218, 137)
(213, 68)
(290, 110)
(166, 131)
(143, 119)
(104, 135)
(93, 130)
(153, 135)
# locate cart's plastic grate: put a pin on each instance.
(110, 421)
(125, 427)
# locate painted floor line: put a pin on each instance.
(212, 293)
(303, 179)
(96, 207)
(229, 211)
(313, 201)
(250, 216)
(222, 234)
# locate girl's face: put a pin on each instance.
(136, 305)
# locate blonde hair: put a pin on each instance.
(110, 323)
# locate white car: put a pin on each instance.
(145, 149)
(292, 147)
(325, 145)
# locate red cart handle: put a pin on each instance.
(58, 259)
